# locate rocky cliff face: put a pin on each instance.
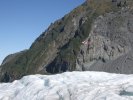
(109, 44)
(95, 36)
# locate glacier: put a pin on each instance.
(87, 85)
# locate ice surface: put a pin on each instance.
(70, 86)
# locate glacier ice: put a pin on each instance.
(70, 86)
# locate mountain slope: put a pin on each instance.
(91, 86)
(95, 36)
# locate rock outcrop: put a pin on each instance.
(109, 44)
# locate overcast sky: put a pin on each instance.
(22, 21)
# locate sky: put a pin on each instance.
(22, 21)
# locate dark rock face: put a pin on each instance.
(6, 78)
(56, 67)
(95, 36)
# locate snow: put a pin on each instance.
(70, 86)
